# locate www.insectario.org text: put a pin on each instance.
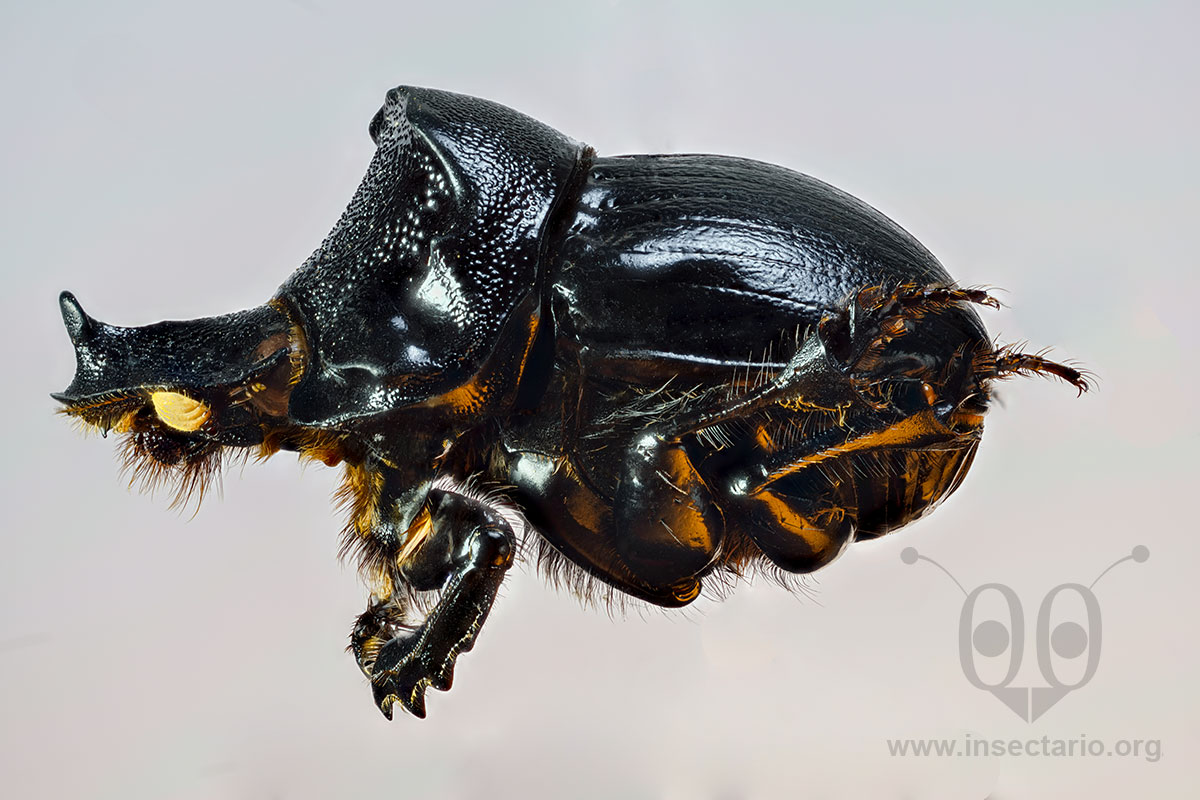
(968, 746)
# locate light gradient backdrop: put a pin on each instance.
(180, 160)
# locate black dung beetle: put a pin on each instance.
(675, 368)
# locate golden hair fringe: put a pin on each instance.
(188, 479)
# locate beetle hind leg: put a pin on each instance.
(1008, 360)
(859, 333)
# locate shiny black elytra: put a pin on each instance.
(677, 368)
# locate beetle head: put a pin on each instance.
(182, 391)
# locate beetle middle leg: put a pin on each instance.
(465, 553)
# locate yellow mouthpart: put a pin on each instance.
(180, 411)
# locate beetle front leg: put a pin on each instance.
(465, 554)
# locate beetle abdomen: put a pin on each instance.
(896, 487)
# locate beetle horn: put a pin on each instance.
(80, 326)
(198, 353)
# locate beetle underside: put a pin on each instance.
(849, 401)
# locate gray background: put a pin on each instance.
(179, 161)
